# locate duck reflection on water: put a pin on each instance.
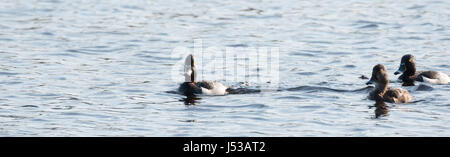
(381, 109)
(190, 99)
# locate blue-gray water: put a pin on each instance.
(102, 68)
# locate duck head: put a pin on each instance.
(407, 64)
(379, 76)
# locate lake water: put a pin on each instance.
(103, 68)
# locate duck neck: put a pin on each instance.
(190, 75)
(193, 75)
(380, 90)
(410, 70)
(409, 76)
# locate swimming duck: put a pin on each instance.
(382, 92)
(192, 87)
(408, 68)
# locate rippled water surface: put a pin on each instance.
(102, 68)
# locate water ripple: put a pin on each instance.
(81, 68)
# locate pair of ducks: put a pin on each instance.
(382, 93)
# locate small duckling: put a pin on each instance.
(408, 68)
(382, 92)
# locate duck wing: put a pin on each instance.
(212, 88)
(397, 95)
(205, 84)
(427, 74)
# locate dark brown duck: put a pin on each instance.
(382, 92)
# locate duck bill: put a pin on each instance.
(371, 81)
(401, 69)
